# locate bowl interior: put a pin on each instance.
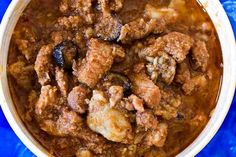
(227, 41)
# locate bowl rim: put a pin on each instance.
(227, 42)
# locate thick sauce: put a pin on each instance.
(115, 78)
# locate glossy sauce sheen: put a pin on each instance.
(194, 112)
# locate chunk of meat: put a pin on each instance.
(83, 7)
(146, 119)
(189, 83)
(183, 74)
(136, 102)
(194, 83)
(22, 73)
(77, 99)
(62, 124)
(177, 45)
(43, 64)
(200, 56)
(169, 104)
(47, 101)
(109, 122)
(62, 81)
(157, 137)
(116, 94)
(137, 29)
(98, 61)
(145, 89)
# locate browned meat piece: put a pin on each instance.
(22, 73)
(200, 55)
(108, 27)
(60, 36)
(98, 61)
(157, 137)
(26, 48)
(109, 122)
(153, 49)
(84, 153)
(62, 81)
(43, 64)
(70, 22)
(67, 122)
(189, 83)
(177, 45)
(146, 119)
(169, 104)
(137, 29)
(136, 102)
(48, 99)
(76, 99)
(145, 89)
(83, 7)
(183, 73)
(194, 83)
(116, 94)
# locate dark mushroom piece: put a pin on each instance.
(121, 80)
(64, 54)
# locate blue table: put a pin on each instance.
(222, 145)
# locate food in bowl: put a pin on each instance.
(114, 78)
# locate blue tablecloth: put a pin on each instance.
(222, 145)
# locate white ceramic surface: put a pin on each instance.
(225, 33)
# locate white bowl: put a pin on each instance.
(227, 41)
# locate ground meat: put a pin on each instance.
(146, 119)
(109, 122)
(83, 7)
(116, 5)
(77, 99)
(137, 103)
(27, 48)
(60, 36)
(70, 22)
(43, 64)
(22, 73)
(62, 81)
(169, 104)
(98, 61)
(177, 45)
(137, 29)
(200, 56)
(157, 137)
(145, 89)
(116, 94)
